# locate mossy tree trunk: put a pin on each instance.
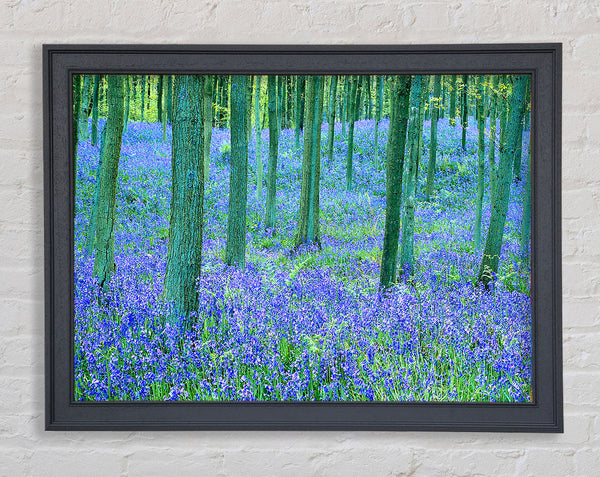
(353, 104)
(480, 161)
(408, 212)
(526, 222)
(308, 230)
(143, 98)
(493, 134)
(273, 151)
(83, 116)
(378, 114)
(399, 97)
(127, 101)
(159, 99)
(452, 109)
(300, 90)
(76, 111)
(435, 105)
(184, 255)
(508, 149)
(207, 116)
(331, 118)
(235, 250)
(104, 260)
(344, 104)
(95, 95)
(464, 116)
(257, 126)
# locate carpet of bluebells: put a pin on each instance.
(310, 325)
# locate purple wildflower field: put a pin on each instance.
(309, 326)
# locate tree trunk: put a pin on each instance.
(519, 155)
(207, 114)
(423, 102)
(249, 86)
(235, 251)
(452, 112)
(492, 141)
(300, 86)
(352, 107)
(257, 125)
(170, 99)
(378, 114)
(104, 262)
(408, 213)
(76, 111)
(435, 108)
(184, 255)
(159, 99)
(399, 92)
(344, 104)
(90, 240)
(273, 151)
(464, 112)
(508, 149)
(480, 162)
(127, 100)
(308, 221)
(95, 110)
(280, 102)
(526, 222)
(331, 125)
(143, 95)
(83, 116)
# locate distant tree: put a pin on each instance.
(170, 99)
(95, 110)
(159, 98)
(435, 106)
(308, 230)
(207, 114)
(399, 97)
(331, 119)
(526, 222)
(83, 115)
(235, 250)
(378, 114)
(408, 212)
(127, 100)
(104, 260)
(76, 111)
(480, 160)
(300, 89)
(452, 111)
(281, 86)
(519, 155)
(464, 116)
(143, 97)
(259, 163)
(353, 101)
(508, 149)
(423, 105)
(273, 150)
(492, 141)
(184, 255)
(344, 103)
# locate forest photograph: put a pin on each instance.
(302, 238)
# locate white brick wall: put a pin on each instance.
(25, 449)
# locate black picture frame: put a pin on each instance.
(541, 61)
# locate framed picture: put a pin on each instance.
(303, 237)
